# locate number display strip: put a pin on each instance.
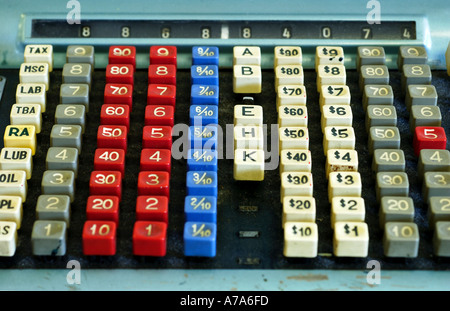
(206, 29)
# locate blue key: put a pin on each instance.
(203, 137)
(200, 208)
(205, 74)
(205, 55)
(202, 160)
(204, 94)
(200, 239)
(201, 183)
(204, 114)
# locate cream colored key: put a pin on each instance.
(447, 58)
(26, 114)
(8, 238)
(329, 55)
(287, 55)
(347, 209)
(39, 53)
(248, 137)
(247, 79)
(344, 184)
(339, 160)
(292, 115)
(334, 95)
(247, 55)
(291, 94)
(13, 182)
(17, 159)
(288, 74)
(35, 73)
(330, 74)
(248, 115)
(11, 209)
(296, 184)
(351, 239)
(21, 136)
(339, 115)
(338, 137)
(293, 137)
(301, 239)
(295, 160)
(32, 93)
(248, 164)
(298, 208)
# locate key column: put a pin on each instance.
(351, 236)
(299, 205)
(200, 208)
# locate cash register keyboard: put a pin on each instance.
(213, 167)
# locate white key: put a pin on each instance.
(294, 137)
(351, 239)
(8, 238)
(338, 137)
(296, 184)
(339, 160)
(32, 93)
(34, 73)
(329, 55)
(17, 159)
(248, 115)
(334, 95)
(14, 182)
(287, 55)
(248, 164)
(11, 209)
(291, 94)
(301, 239)
(295, 160)
(298, 208)
(247, 55)
(292, 115)
(339, 115)
(247, 79)
(347, 209)
(248, 137)
(344, 184)
(39, 53)
(23, 114)
(330, 74)
(289, 74)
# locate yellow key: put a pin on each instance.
(21, 136)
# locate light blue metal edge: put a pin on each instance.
(435, 48)
(222, 280)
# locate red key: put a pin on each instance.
(154, 208)
(429, 137)
(159, 115)
(99, 237)
(115, 115)
(102, 207)
(119, 54)
(155, 160)
(107, 159)
(116, 93)
(162, 74)
(163, 55)
(149, 238)
(156, 137)
(112, 136)
(161, 94)
(106, 183)
(120, 73)
(154, 183)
